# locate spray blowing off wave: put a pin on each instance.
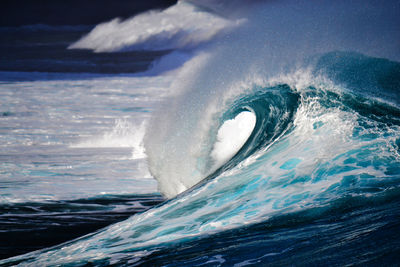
(276, 39)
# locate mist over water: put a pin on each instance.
(274, 133)
(276, 39)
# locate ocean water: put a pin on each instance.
(210, 133)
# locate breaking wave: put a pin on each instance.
(294, 111)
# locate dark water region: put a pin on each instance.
(43, 48)
(26, 227)
(72, 12)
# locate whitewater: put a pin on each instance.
(230, 133)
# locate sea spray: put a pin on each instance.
(277, 39)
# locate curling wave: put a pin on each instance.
(313, 144)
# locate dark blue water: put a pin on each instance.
(31, 226)
(42, 48)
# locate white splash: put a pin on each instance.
(232, 135)
(123, 134)
(183, 25)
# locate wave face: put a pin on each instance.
(316, 178)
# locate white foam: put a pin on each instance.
(181, 26)
(232, 135)
(123, 134)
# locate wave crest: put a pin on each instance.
(181, 26)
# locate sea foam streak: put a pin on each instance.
(315, 140)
